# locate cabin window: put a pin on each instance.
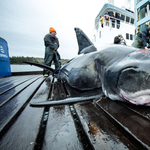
(99, 34)
(132, 20)
(122, 17)
(131, 36)
(110, 13)
(116, 14)
(127, 19)
(127, 36)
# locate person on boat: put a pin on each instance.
(112, 17)
(141, 38)
(119, 40)
(101, 20)
(51, 43)
(118, 20)
(106, 18)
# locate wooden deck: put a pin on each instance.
(94, 125)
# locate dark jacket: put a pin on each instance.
(51, 41)
(117, 40)
(143, 34)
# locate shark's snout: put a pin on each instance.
(134, 85)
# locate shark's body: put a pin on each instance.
(122, 72)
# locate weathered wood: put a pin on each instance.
(23, 133)
(101, 132)
(4, 98)
(141, 110)
(8, 82)
(106, 124)
(60, 130)
(27, 73)
(136, 126)
(13, 84)
(7, 79)
(13, 108)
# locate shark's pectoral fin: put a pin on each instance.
(41, 66)
(70, 100)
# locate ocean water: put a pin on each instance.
(24, 68)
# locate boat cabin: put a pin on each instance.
(115, 21)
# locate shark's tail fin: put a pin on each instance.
(41, 66)
(84, 43)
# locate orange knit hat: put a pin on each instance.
(51, 29)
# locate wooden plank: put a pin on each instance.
(7, 79)
(23, 133)
(15, 80)
(101, 132)
(13, 84)
(7, 96)
(60, 131)
(141, 110)
(27, 73)
(136, 126)
(9, 83)
(13, 108)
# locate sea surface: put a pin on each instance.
(24, 68)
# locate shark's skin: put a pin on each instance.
(122, 72)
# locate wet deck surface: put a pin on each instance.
(99, 124)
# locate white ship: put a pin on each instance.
(105, 35)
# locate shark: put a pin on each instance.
(122, 72)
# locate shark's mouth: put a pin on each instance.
(134, 86)
(137, 98)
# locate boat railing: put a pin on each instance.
(111, 22)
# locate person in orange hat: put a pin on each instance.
(51, 43)
(52, 31)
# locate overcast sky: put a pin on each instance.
(25, 23)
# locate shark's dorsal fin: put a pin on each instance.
(84, 43)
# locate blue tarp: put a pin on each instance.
(4, 59)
